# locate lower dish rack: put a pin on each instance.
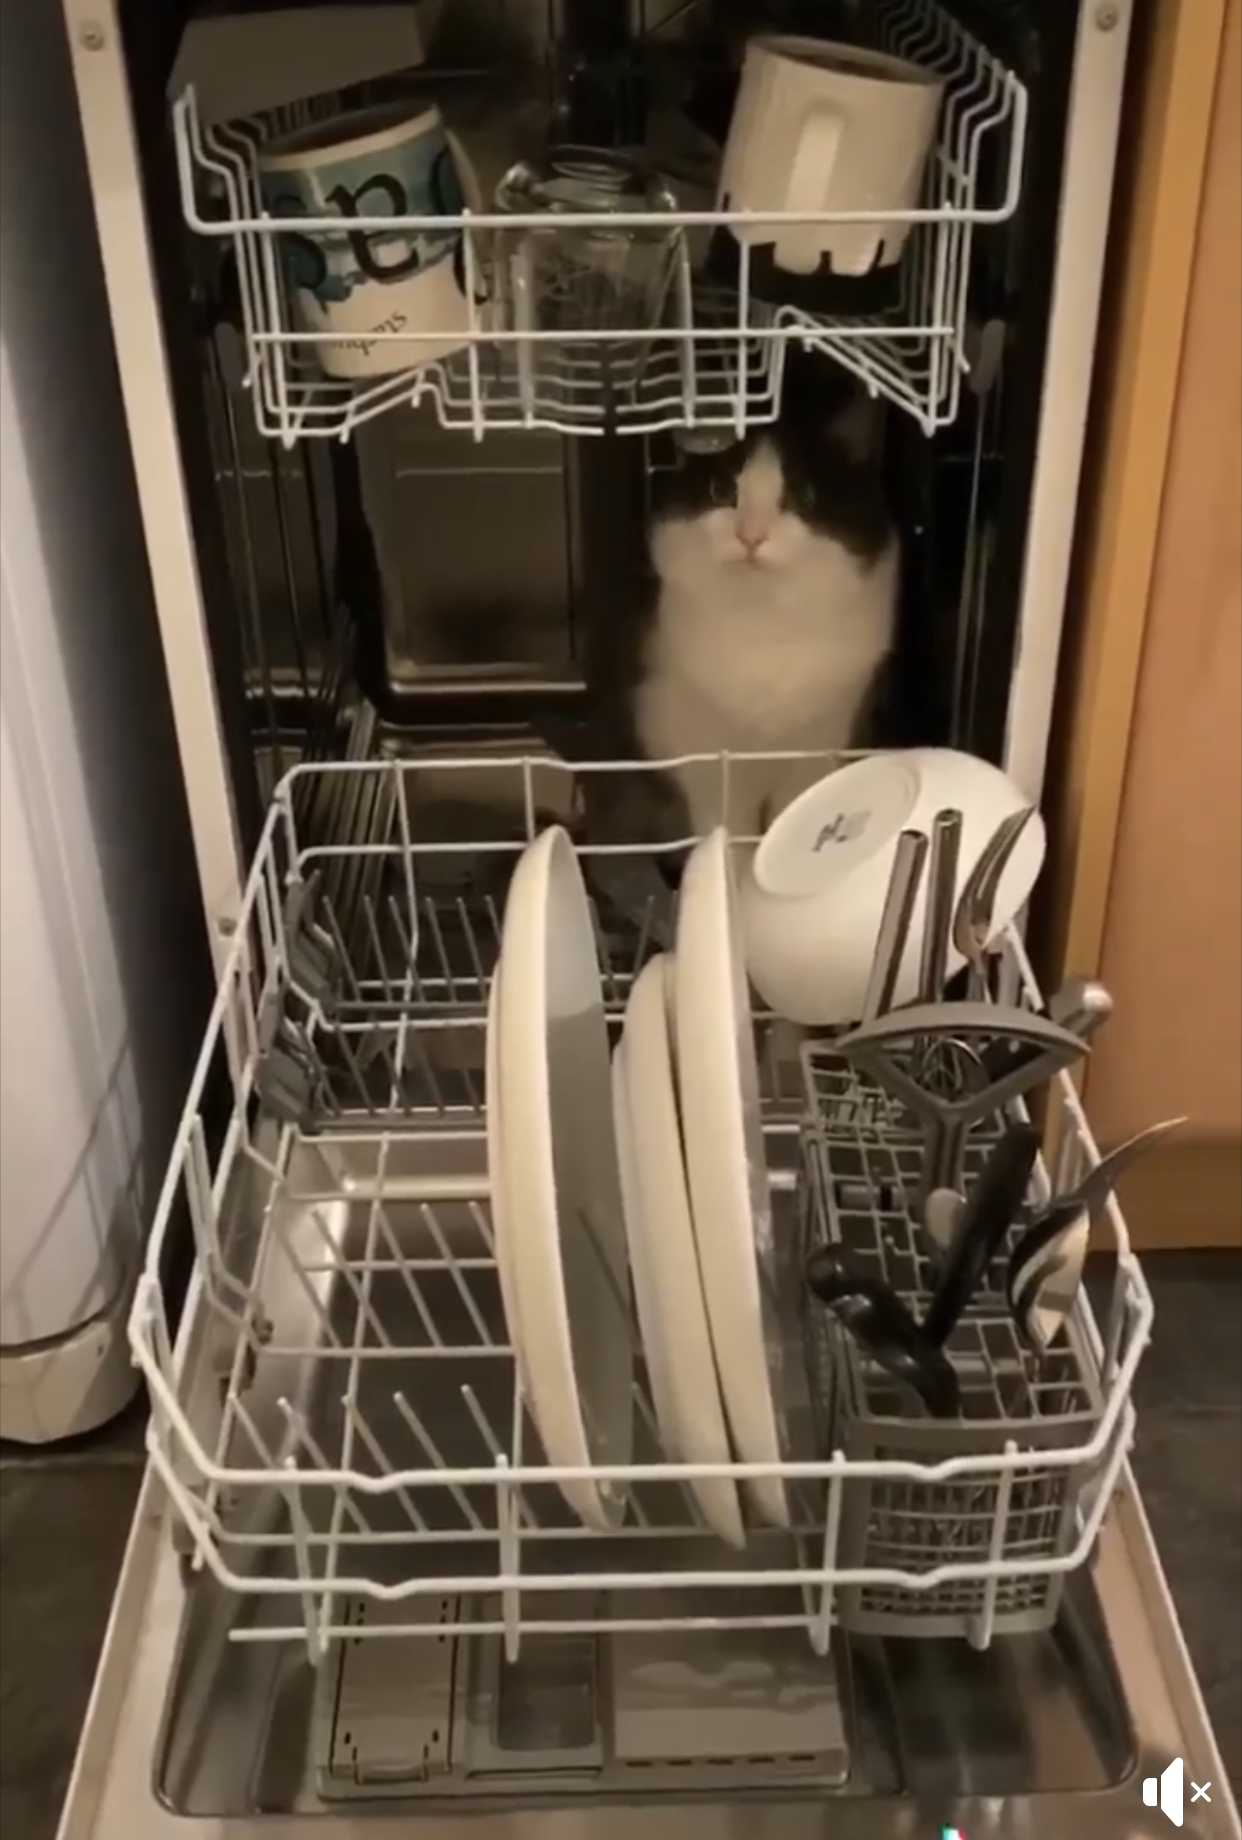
(339, 1421)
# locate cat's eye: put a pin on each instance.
(723, 490)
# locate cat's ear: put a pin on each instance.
(831, 403)
(855, 425)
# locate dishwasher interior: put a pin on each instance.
(631, 1694)
(389, 1602)
(447, 558)
(386, 1607)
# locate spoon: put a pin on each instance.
(884, 1328)
(1046, 1266)
(1098, 1184)
(1045, 1273)
(941, 1213)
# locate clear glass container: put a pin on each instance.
(610, 279)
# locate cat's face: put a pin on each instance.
(763, 507)
(735, 510)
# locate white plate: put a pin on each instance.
(664, 1259)
(496, 1180)
(725, 1162)
(563, 1216)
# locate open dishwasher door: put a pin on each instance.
(940, 1737)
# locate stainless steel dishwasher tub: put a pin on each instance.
(112, 1795)
(192, 1735)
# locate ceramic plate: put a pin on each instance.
(563, 1218)
(731, 1202)
(664, 1260)
(495, 1178)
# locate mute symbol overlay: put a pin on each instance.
(1167, 1792)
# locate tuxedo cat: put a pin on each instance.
(770, 614)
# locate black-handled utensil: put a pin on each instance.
(885, 1329)
(991, 1208)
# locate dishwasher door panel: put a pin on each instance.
(112, 1795)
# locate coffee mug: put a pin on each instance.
(827, 127)
(378, 162)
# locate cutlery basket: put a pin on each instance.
(861, 1167)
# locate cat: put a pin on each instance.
(770, 614)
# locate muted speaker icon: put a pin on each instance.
(1167, 1792)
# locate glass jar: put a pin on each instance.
(610, 278)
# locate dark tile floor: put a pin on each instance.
(64, 1519)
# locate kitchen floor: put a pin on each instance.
(64, 1518)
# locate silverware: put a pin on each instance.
(1082, 1005)
(941, 1213)
(992, 1206)
(1046, 1266)
(878, 1320)
(943, 1063)
(1045, 1273)
(887, 1051)
(975, 916)
(894, 933)
(1098, 1184)
(946, 845)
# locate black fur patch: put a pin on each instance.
(827, 439)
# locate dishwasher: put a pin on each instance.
(354, 1600)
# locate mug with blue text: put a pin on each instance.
(381, 162)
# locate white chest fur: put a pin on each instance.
(762, 657)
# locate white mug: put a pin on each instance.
(826, 127)
(388, 160)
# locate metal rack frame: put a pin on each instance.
(271, 1503)
(718, 364)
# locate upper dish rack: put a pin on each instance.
(715, 362)
(340, 1424)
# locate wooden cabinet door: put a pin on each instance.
(1153, 823)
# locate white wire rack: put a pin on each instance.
(340, 1417)
(716, 362)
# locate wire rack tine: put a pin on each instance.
(382, 1460)
(496, 1449)
(432, 1450)
(458, 1276)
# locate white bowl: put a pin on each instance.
(811, 901)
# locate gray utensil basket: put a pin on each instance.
(861, 1166)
